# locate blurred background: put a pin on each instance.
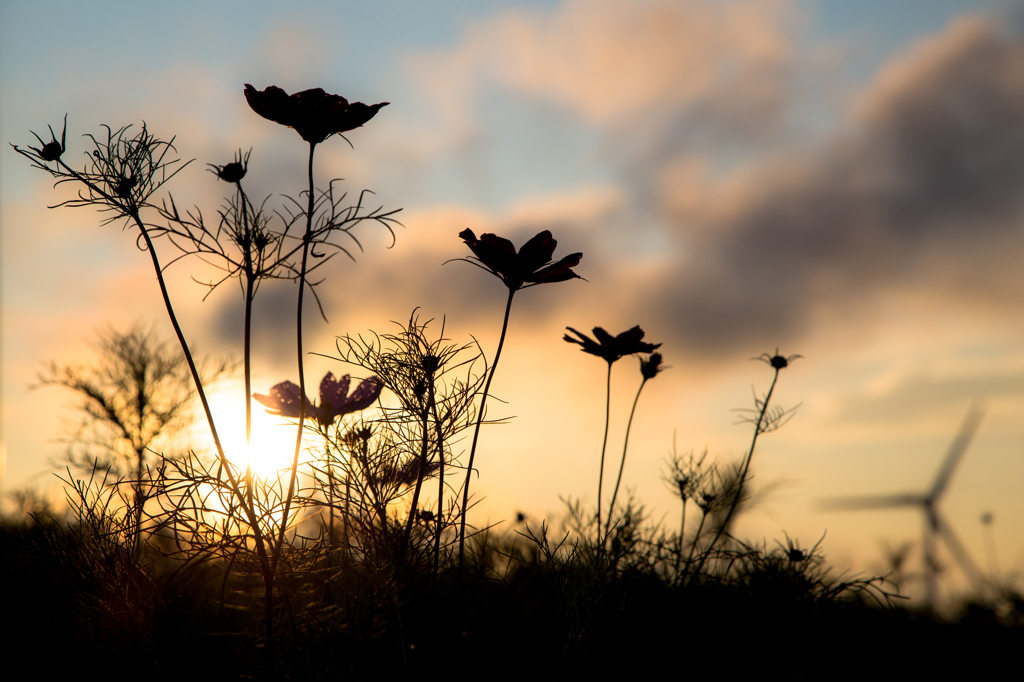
(840, 180)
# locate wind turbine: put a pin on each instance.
(934, 525)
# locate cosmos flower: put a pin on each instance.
(611, 348)
(283, 400)
(315, 114)
(529, 267)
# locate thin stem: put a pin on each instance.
(696, 539)
(302, 374)
(250, 281)
(604, 443)
(423, 457)
(476, 429)
(249, 293)
(250, 513)
(440, 493)
(743, 472)
(682, 539)
(140, 499)
(622, 465)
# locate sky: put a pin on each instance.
(836, 180)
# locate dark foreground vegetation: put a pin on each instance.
(75, 605)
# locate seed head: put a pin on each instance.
(650, 367)
(777, 361)
(232, 172)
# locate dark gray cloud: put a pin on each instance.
(922, 191)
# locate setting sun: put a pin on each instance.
(272, 444)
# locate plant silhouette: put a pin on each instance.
(357, 555)
(138, 395)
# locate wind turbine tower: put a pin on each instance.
(935, 527)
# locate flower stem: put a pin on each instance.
(440, 494)
(250, 292)
(622, 465)
(682, 539)
(693, 546)
(743, 472)
(298, 340)
(422, 460)
(476, 430)
(261, 548)
(604, 443)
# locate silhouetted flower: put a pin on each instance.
(315, 114)
(650, 367)
(777, 361)
(232, 172)
(531, 266)
(334, 402)
(611, 348)
(51, 151)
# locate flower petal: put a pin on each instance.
(559, 272)
(364, 395)
(283, 400)
(358, 114)
(536, 252)
(494, 252)
(603, 337)
(270, 103)
(334, 391)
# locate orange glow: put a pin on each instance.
(272, 443)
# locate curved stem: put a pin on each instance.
(440, 493)
(743, 472)
(604, 443)
(250, 513)
(422, 459)
(302, 374)
(232, 481)
(622, 465)
(476, 430)
(693, 545)
(250, 292)
(682, 539)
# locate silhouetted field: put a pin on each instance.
(75, 611)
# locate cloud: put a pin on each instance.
(920, 191)
(615, 61)
(916, 192)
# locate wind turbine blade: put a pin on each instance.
(871, 502)
(959, 552)
(956, 450)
